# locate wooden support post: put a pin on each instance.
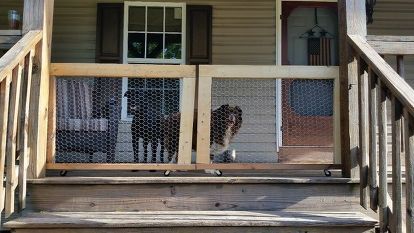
(363, 132)
(372, 102)
(204, 119)
(383, 142)
(51, 129)
(11, 145)
(409, 170)
(186, 122)
(396, 114)
(4, 113)
(400, 66)
(38, 15)
(352, 20)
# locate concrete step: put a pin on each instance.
(193, 221)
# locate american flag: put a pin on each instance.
(319, 51)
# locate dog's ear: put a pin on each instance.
(224, 107)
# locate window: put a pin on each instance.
(154, 33)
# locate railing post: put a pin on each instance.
(38, 15)
(204, 115)
(383, 152)
(363, 131)
(352, 18)
(396, 118)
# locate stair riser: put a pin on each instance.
(205, 230)
(167, 197)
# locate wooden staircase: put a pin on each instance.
(193, 204)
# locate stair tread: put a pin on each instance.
(190, 180)
(191, 219)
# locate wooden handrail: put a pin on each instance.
(12, 58)
(401, 89)
(385, 86)
(16, 108)
(121, 70)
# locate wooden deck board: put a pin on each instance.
(190, 219)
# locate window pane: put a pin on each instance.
(154, 45)
(172, 46)
(173, 18)
(136, 19)
(136, 45)
(155, 19)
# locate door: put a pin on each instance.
(309, 37)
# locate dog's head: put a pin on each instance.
(132, 98)
(231, 116)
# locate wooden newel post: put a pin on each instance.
(38, 15)
(352, 21)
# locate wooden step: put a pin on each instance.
(193, 221)
(95, 194)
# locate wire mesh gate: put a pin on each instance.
(235, 126)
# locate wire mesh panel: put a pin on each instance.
(243, 121)
(90, 129)
(245, 118)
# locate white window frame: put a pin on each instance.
(126, 60)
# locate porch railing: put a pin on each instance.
(205, 76)
(378, 85)
(19, 76)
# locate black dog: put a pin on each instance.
(146, 123)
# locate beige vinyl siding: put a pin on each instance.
(243, 33)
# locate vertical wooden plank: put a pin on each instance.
(396, 113)
(383, 141)
(4, 113)
(372, 103)
(204, 119)
(337, 122)
(409, 171)
(38, 15)
(401, 72)
(186, 123)
(51, 135)
(24, 155)
(352, 18)
(400, 66)
(11, 145)
(363, 132)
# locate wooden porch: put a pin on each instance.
(251, 196)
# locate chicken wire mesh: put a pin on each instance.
(250, 132)
(90, 128)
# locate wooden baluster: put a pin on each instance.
(4, 112)
(401, 72)
(11, 181)
(383, 141)
(409, 170)
(396, 115)
(363, 132)
(400, 66)
(24, 155)
(372, 177)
